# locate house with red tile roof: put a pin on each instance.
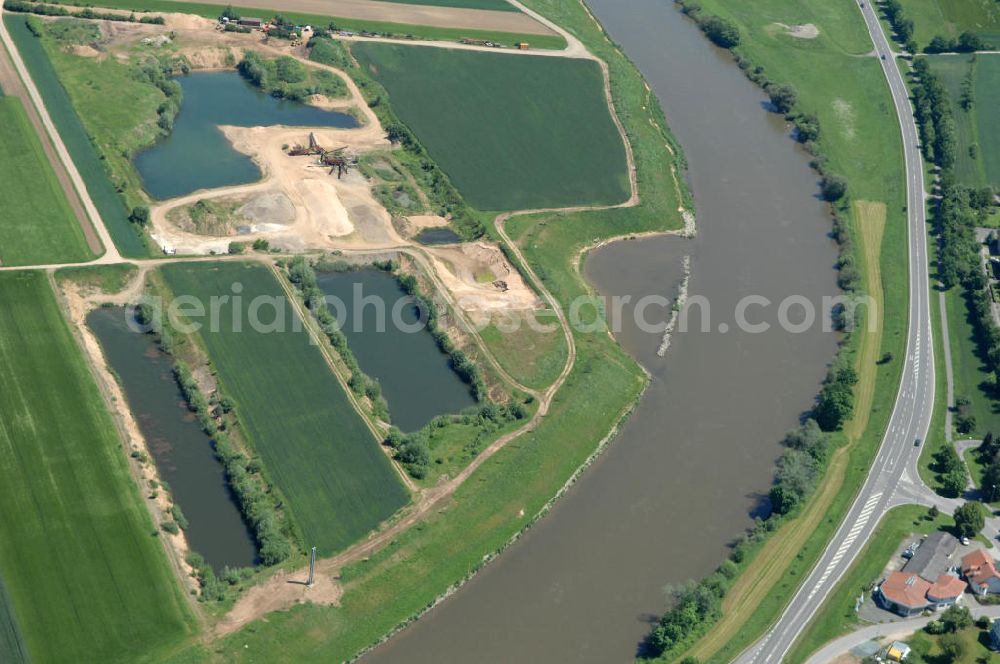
(980, 570)
(908, 594)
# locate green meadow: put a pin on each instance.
(37, 224)
(511, 132)
(84, 570)
(316, 448)
(950, 18)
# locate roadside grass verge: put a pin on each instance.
(108, 279)
(861, 141)
(511, 133)
(37, 225)
(950, 18)
(316, 447)
(85, 155)
(836, 616)
(427, 32)
(512, 488)
(85, 572)
(777, 568)
(988, 112)
(533, 357)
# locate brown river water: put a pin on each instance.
(689, 468)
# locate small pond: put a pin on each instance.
(196, 154)
(416, 377)
(181, 449)
(438, 236)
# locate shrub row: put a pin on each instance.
(438, 186)
(32, 7)
(302, 274)
(721, 32)
(257, 504)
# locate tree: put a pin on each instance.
(139, 215)
(952, 647)
(969, 519)
(933, 512)
(783, 97)
(807, 128)
(991, 482)
(833, 187)
(722, 32)
(940, 44)
(956, 618)
(953, 483)
(969, 42)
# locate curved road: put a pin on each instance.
(893, 476)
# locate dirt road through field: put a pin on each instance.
(394, 12)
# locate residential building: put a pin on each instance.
(980, 570)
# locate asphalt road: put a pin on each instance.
(893, 475)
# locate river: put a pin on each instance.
(690, 467)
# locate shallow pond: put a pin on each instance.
(181, 449)
(380, 322)
(432, 236)
(196, 155)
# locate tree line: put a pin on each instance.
(31, 7)
(903, 27)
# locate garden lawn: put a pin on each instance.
(950, 18)
(510, 132)
(86, 575)
(85, 155)
(338, 483)
(952, 70)
(37, 225)
(987, 109)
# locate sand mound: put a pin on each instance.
(269, 208)
(328, 213)
(804, 31)
(427, 221)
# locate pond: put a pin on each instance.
(432, 236)
(196, 155)
(416, 377)
(181, 449)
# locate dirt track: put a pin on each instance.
(394, 12)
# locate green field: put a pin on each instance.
(988, 114)
(83, 152)
(510, 132)
(87, 576)
(37, 225)
(497, 5)
(12, 648)
(317, 449)
(950, 18)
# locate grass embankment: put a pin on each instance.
(317, 449)
(108, 279)
(532, 355)
(950, 18)
(86, 574)
(507, 491)
(528, 132)
(860, 140)
(837, 616)
(89, 161)
(37, 225)
(426, 32)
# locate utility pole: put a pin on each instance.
(312, 569)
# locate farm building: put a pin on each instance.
(250, 21)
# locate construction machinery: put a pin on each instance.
(336, 158)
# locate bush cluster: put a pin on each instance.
(967, 42)
(799, 467)
(413, 450)
(721, 32)
(285, 77)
